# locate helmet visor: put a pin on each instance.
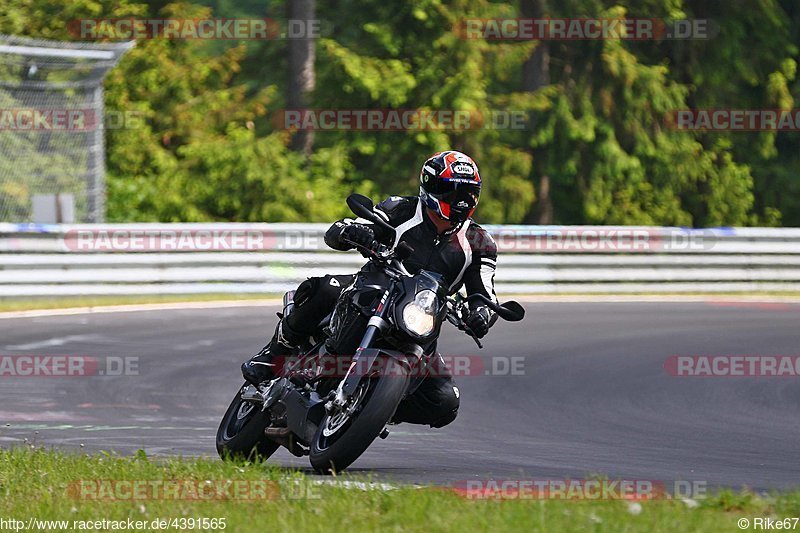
(460, 202)
(443, 186)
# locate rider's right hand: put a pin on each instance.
(360, 234)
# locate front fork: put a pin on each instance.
(348, 385)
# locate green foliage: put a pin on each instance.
(208, 149)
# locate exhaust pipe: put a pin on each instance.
(285, 438)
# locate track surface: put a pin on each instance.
(594, 397)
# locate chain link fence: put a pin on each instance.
(51, 128)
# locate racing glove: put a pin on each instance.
(360, 234)
(479, 320)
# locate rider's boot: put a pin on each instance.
(266, 364)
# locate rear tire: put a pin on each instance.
(375, 409)
(241, 432)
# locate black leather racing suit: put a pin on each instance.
(466, 258)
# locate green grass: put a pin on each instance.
(27, 304)
(41, 483)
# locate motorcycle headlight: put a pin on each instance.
(419, 314)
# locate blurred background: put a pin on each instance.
(596, 147)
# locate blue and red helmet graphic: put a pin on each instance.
(450, 185)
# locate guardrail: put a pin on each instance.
(55, 260)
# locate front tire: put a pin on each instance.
(337, 444)
(241, 432)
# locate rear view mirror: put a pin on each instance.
(511, 311)
(362, 206)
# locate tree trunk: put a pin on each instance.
(302, 77)
(544, 209)
(535, 75)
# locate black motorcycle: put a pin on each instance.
(384, 326)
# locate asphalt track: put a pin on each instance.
(593, 398)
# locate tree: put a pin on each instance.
(302, 52)
(597, 147)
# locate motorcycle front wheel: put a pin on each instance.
(343, 435)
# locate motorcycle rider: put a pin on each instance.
(437, 224)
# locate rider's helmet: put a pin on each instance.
(450, 185)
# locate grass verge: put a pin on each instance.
(47, 485)
(28, 304)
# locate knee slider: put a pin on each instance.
(446, 419)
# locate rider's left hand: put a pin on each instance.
(478, 321)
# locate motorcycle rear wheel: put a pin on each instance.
(241, 431)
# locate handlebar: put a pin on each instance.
(457, 307)
(456, 311)
(376, 251)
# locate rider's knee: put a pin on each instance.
(306, 290)
(320, 291)
(447, 409)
